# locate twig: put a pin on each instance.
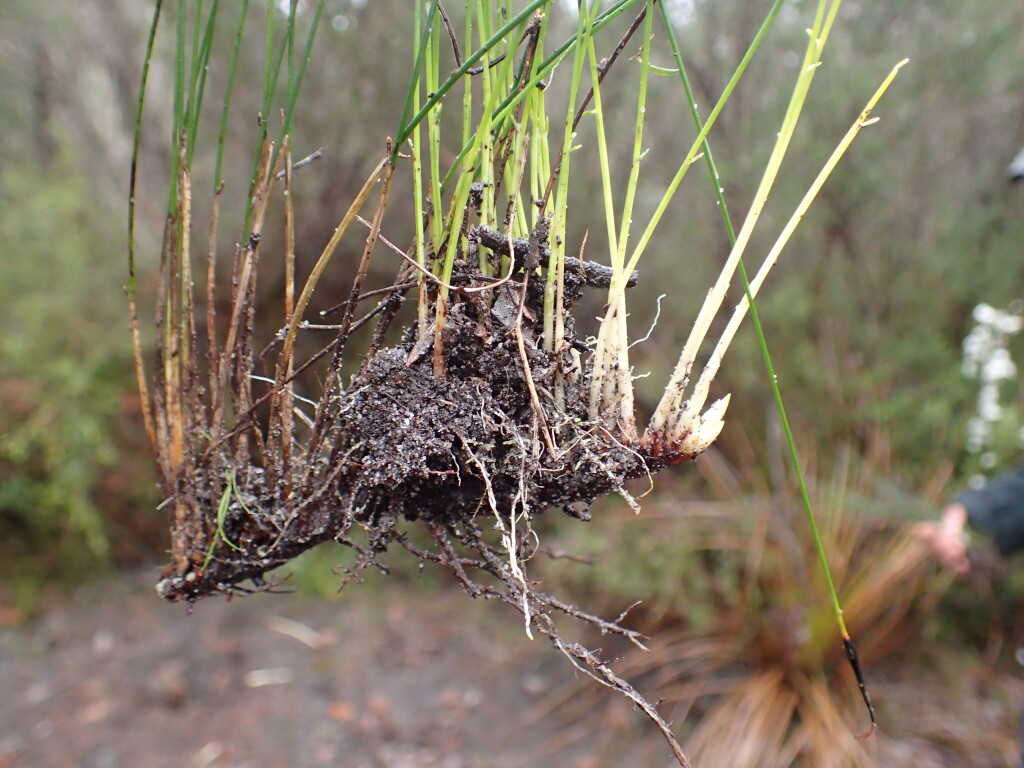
(491, 282)
(594, 274)
(396, 288)
(304, 161)
(561, 554)
(451, 34)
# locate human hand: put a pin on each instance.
(948, 538)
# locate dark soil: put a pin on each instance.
(448, 450)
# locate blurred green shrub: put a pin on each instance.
(65, 372)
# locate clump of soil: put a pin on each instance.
(480, 448)
(447, 449)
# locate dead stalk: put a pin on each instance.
(283, 404)
(325, 257)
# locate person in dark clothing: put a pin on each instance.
(997, 510)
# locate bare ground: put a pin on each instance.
(390, 675)
(112, 677)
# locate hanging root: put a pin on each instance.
(587, 662)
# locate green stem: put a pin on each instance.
(179, 102)
(421, 37)
(200, 69)
(406, 129)
(552, 286)
(701, 136)
(467, 91)
(505, 109)
(228, 92)
(416, 149)
(137, 144)
(295, 85)
(763, 345)
(271, 74)
(638, 136)
(432, 75)
(754, 315)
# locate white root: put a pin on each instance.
(508, 535)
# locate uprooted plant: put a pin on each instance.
(487, 407)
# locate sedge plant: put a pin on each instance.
(491, 407)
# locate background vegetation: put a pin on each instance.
(865, 315)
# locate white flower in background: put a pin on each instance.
(987, 359)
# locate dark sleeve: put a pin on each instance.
(998, 510)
